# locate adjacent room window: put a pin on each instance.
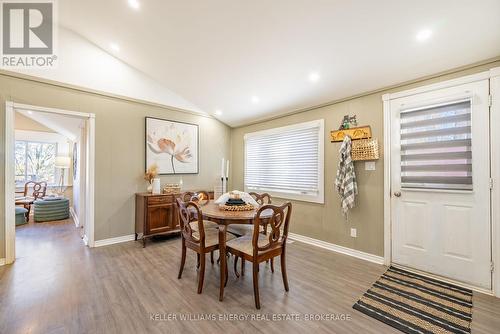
(35, 161)
(287, 162)
(436, 147)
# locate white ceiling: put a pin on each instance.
(68, 126)
(218, 54)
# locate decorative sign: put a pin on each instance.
(362, 132)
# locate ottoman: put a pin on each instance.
(21, 216)
(48, 209)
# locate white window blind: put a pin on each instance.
(286, 162)
(436, 147)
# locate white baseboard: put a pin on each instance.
(336, 248)
(74, 216)
(85, 240)
(117, 240)
(2, 262)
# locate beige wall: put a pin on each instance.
(119, 148)
(324, 221)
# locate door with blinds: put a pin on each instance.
(440, 174)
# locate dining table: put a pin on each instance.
(213, 212)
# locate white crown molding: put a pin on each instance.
(112, 241)
(336, 248)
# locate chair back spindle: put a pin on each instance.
(261, 199)
(278, 223)
(201, 197)
(189, 212)
(39, 189)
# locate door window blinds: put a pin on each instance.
(286, 162)
(436, 147)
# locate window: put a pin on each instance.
(436, 147)
(286, 162)
(35, 161)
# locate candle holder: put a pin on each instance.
(227, 180)
(222, 185)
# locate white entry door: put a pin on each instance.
(440, 183)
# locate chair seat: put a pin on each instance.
(244, 243)
(212, 237)
(242, 229)
(206, 225)
(24, 200)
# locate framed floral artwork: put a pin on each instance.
(172, 146)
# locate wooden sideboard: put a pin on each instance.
(156, 214)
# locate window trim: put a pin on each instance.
(320, 198)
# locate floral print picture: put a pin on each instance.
(172, 146)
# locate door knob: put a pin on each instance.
(397, 193)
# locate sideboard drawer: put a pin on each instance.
(152, 200)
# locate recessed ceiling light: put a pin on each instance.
(30, 112)
(255, 99)
(313, 76)
(218, 112)
(115, 47)
(424, 35)
(134, 4)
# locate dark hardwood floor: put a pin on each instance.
(59, 286)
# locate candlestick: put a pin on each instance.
(222, 168)
(222, 186)
(227, 179)
(227, 169)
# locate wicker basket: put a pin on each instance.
(246, 207)
(365, 149)
(171, 189)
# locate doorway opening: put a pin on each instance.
(49, 173)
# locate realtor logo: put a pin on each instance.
(28, 34)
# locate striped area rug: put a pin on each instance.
(416, 304)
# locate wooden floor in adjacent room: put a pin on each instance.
(59, 286)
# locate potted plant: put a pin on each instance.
(150, 175)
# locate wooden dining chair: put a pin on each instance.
(201, 198)
(195, 236)
(258, 247)
(32, 191)
(241, 230)
(262, 199)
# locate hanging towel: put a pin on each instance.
(345, 183)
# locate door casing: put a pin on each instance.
(9, 215)
(494, 76)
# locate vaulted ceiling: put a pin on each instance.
(248, 60)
